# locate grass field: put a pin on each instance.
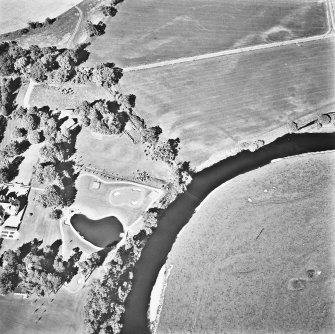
(243, 284)
(213, 105)
(61, 316)
(118, 155)
(146, 31)
(52, 96)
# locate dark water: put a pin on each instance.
(181, 210)
(100, 232)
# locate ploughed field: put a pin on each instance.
(264, 243)
(148, 31)
(216, 104)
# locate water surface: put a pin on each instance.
(100, 232)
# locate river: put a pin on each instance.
(180, 211)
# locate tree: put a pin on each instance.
(19, 113)
(38, 71)
(34, 137)
(6, 283)
(4, 174)
(95, 29)
(106, 75)
(3, 126)
(21, 65)
(46, 173)
(35, 52)
(165, 151)
(31, 122)
(151, 135)
(55, 214)
(12, 149)
(109, 10)
(150, 219)
(19, 133)
(50, 197)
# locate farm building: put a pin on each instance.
(13, 200)
(8, 207)
(69, 124)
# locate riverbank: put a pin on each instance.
(267, 138)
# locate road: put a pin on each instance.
(298, 41)
(69, 42)
(32, 84)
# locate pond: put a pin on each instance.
(100, 233)
(180, 211)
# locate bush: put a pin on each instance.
(95, 29)
(55, 214)
(109, 10)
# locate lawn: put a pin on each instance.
(117, 154)
(214, 105)
(250, 237)
(97, 203)
(54, 97)
(147, 31)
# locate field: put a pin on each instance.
(145, 31)
(97, 203)
(52, 96)
(216, 104)
(57, 34)
(63, 32)
(250, 238)
(19, 12)
(116, 154)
